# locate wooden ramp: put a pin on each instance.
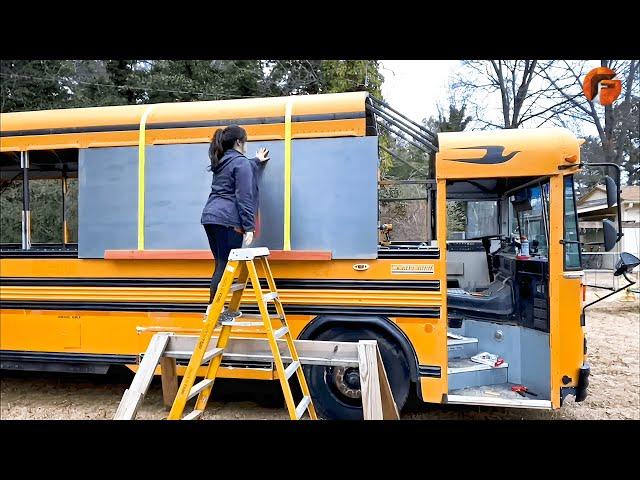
(166, 347)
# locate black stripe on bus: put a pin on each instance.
(433, 371)
(23, 356)
(190, 124)
(408, 253)
(50, 253)
(70, 305)
(284, 283)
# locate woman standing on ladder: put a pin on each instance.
(228, 216)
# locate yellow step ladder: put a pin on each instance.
(241, 267)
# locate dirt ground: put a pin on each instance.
(613, 336)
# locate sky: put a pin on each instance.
(415, 87)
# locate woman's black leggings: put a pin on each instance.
(222, 240)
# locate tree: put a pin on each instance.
(617, 125)
(513, 82)
(298, 77)
(32, 84)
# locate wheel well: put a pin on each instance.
(381, 325)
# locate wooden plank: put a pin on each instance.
(275, 255)
(369, 380)
(389, 407)
(169, 380)
(133, 396)
(129, 405)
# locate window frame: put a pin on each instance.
(26, 245)
(564, 225)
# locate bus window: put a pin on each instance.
(71, 210)
(10, 199)
(532, 222)
(53, 195)
(471, 219)
(45, 201)
(52, 198)
(572, 260)
(482, 219)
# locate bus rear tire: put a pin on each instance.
(336, 390)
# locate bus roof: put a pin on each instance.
(506, 153)
(312, 116)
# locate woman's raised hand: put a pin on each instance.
(263, 154)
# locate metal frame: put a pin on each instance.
(26, 212)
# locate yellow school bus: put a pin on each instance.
(458, 320)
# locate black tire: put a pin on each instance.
(329, 401)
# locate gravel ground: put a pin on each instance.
(613, 335)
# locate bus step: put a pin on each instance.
(461, 347)
(464, 373)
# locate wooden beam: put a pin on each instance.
(133, 396)
(389, 407)
(275, 255)
(169, 380)
(377, 397)
(369, 380)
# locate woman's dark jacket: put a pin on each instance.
(233, 200)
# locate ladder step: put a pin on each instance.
(198, 387)
(291, 369)
(248, 253)
(242, 324)
(270, 296)
(237, 286)
(302, 406)
(281, 332)
(193, 415)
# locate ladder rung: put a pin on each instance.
(186, 354)
(237, 286)
(257, 316)
(242, 324)
(194, 415)
(270, 296)
(290, 370)
(198, 387)
(208, 355)
(302, 406)
(281, 332)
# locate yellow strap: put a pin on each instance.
(287, 174)
(141, 150)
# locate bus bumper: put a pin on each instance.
(583, 382)
(579, 391)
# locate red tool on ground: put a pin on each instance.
(521, 390)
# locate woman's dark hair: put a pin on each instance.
(224, 139)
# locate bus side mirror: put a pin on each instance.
(610, 234)
(612, 191)
(626, 264)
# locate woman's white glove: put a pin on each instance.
(247, 239)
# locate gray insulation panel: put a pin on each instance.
(107, 200)
(333, 197)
